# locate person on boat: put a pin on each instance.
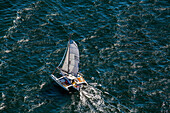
(72, 81)
(66, 82)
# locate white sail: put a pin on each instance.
(72, 59)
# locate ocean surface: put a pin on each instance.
(124, 55)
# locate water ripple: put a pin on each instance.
(124, 55)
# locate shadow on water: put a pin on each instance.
(54, 98)
(52, 89)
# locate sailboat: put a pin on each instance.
(71, 79)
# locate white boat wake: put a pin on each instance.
(95, 101)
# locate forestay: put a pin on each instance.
(71, 61)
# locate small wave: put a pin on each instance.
(23, 40)
(7, 51)
(2, 62)
(36, 106)
(2, 105)
(41, 86)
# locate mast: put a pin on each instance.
(69, 54)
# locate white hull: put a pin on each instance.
(58, 82)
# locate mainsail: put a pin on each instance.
(72, 59)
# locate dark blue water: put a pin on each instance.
(124, 47)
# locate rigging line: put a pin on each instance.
(61, 61)
(65, 30)
(63, 70)
(55, 70)
(69, 31)
(63, 57)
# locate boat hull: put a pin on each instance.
(66, 84)
(58, 82)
